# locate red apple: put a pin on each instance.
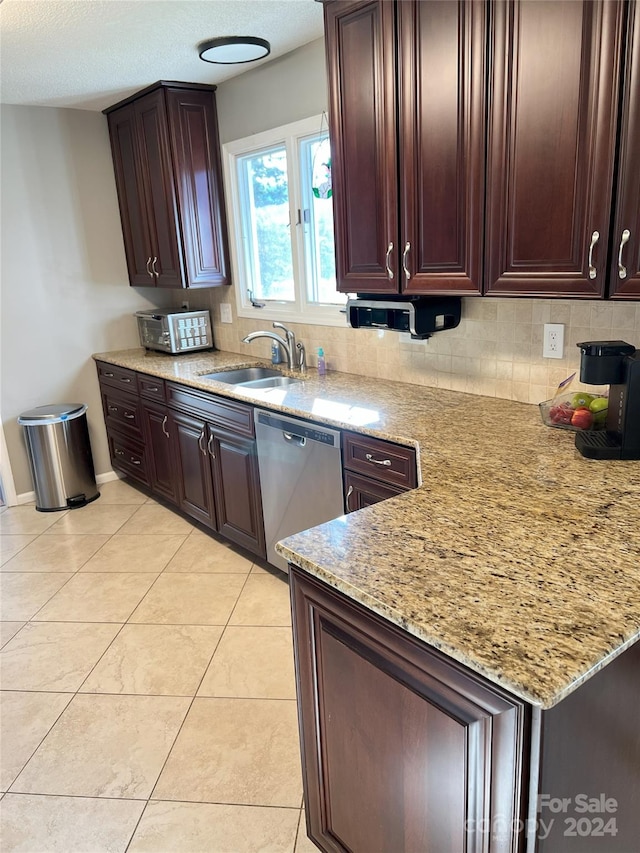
(582, 418)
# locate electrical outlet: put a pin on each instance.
(553, 340)
(225, 313)
(184, 305)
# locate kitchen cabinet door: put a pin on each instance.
(551, 150)
(160, 451)
(362, 491)
(236, 482)
(625, 257)
(441, 127)
(166, 156)
(194, 483)
(407, 144)
(360, 43)
(402, 749)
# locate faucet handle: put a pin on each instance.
(302, 357)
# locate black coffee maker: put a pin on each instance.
(617, 364)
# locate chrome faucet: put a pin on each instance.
(295, 352)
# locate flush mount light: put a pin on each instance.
(232, 50)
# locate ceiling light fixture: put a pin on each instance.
(232, 50)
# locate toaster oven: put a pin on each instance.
(175, 331)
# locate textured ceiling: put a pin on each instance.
(88, 54)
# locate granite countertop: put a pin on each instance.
(516, 556)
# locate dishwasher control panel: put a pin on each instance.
(300, 429)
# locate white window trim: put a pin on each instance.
(300, 311)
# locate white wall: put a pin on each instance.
(65, 291)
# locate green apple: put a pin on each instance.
(581, 400)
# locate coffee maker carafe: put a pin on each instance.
(617, 364)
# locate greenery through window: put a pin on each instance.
(279, 184)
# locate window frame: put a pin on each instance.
(301, 310)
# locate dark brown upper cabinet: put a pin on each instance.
(553, 110)
(624, 273)
(166, 155)
(407, 105)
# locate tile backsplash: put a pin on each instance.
(496, 351)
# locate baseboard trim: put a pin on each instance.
(107, 477)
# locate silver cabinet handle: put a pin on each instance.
(153, 267)
(135, 461)
(112, 408)
(164, 426)
(209, 443)
(129, 416)
(386, 261)
(108, 374)
(349, 493)
(119, 452)
(622, 270)
(148, 265)
(152, 388)
(125, 379)
(407, 247)
(385, 462)
(594, 239)
(203, 449)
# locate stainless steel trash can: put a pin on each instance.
(60, 458)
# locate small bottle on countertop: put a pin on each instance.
(322, 365)
(276, 356)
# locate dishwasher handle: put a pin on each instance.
(300, 440)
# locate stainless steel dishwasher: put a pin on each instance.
(300, 476)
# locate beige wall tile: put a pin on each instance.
(207, 827)
(241, 751)
(106, 746)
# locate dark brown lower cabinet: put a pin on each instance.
(360, 492)
(406, 751)
(195, 489)
(236, 483)
(161, 456)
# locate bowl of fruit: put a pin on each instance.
(577, 411)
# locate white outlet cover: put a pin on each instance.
(553, 340)
(225, 313)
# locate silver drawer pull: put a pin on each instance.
(210, 449)
(135, 461)
(119, 452)
(153, 388)
(593, 272)
(149, 273)
(386, 462)
(108, 374)
(153, 267)
(386, 261)
(125, 379)
(129, 416)
(349, 493)
(622, 270)
(203, 449)
(112, 408)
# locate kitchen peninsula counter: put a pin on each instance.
(516, 556)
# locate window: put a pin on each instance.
(279, 185)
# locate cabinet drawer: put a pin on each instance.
(227, 414)
(128, 456)
(151, 387)
(118, 377)
(363, 491)
(122, 412)
(391, 463)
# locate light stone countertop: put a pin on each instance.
(516, 556)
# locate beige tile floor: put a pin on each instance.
(147, 693)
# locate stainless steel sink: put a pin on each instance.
(253, 377)
(243, 374)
